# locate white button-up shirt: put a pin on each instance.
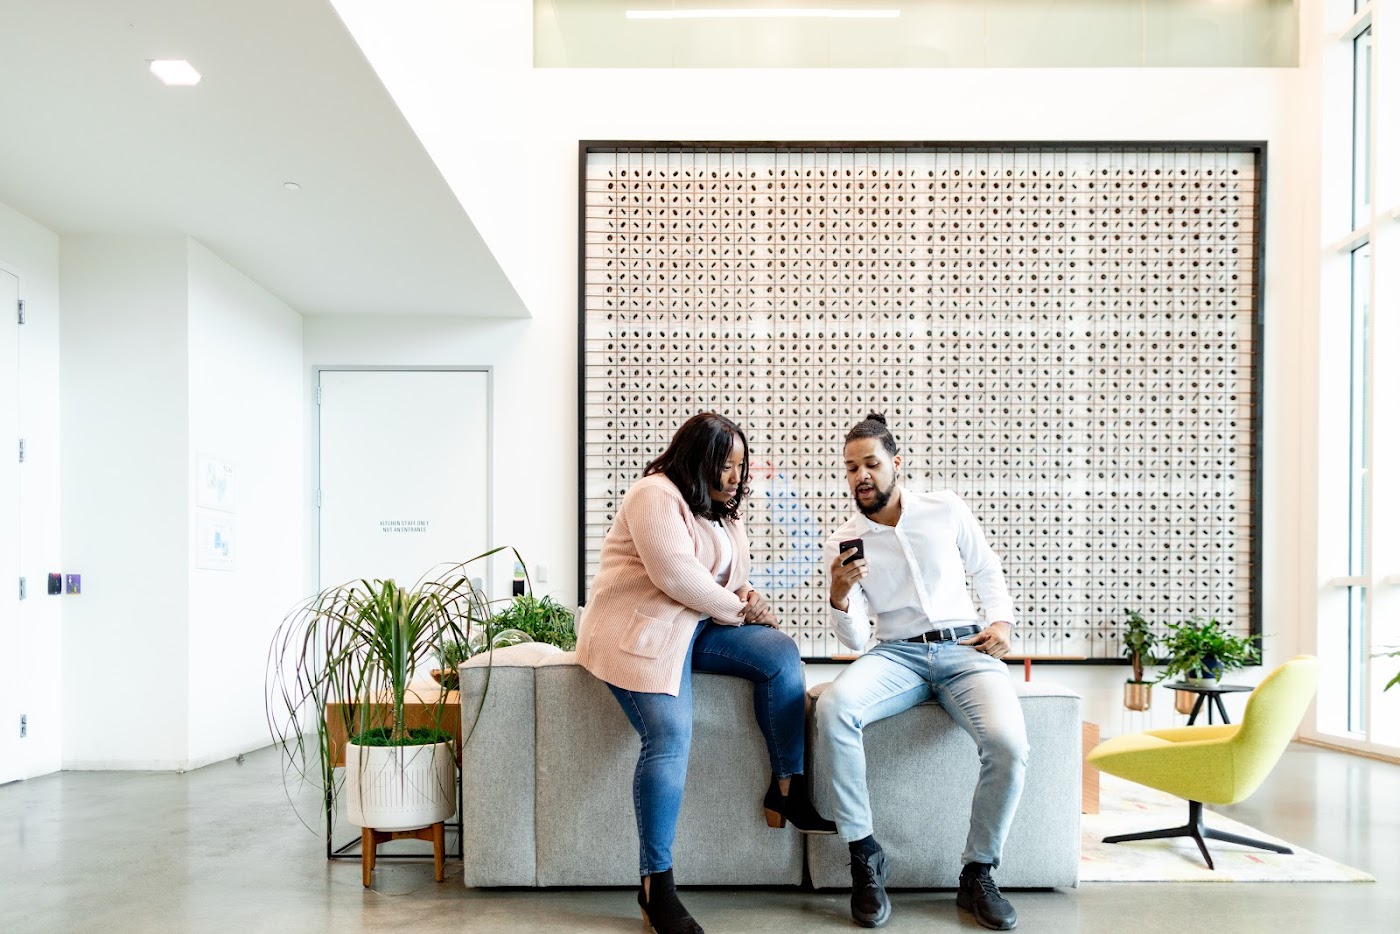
(917, 574)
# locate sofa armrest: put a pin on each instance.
(498, 773)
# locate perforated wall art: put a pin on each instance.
(1066, 336)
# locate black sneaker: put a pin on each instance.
(870, 906)
(978, 894)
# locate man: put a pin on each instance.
(910, 586)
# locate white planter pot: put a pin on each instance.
(399, 787)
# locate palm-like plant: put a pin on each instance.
(341, 664)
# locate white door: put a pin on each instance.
(405, 481)
(11, 764)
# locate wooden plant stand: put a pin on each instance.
(371, 838)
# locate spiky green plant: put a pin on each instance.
(358, 645)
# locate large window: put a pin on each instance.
(1358, 550)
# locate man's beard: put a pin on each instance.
(882, 498)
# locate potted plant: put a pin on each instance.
(341, 665)
(1138, 641)
(1199, 651)
(541, 619)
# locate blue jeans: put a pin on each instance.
(759, 654)
(972, 687)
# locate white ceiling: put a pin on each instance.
(92, 143)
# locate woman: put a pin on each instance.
(672, 596)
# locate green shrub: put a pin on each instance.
(540, 618)
(1201, 648)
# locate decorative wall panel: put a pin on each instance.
(1065, 336)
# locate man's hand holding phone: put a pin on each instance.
(847, 569)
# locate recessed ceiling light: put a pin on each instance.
(175, 72)
(741, 13)
(291, 186)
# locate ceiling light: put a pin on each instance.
(291, 186)
(739, 13)
(175, 72)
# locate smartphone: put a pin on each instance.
(847, 545)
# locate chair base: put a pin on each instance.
(1197, 830)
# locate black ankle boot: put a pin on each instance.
(795, 806)
(663, 910)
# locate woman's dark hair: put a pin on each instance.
(873, 426)
(694, 461)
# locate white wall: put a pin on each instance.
(511, 156)
(245, 394)
(125, 480)
(168, 352)
(31, 252)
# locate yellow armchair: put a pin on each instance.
(1215, 764)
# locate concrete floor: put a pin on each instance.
(220, 849)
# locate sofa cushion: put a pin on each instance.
(520, 655)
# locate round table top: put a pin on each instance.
(1210, 689)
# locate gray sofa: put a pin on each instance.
(547, 765)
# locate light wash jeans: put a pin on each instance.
(767, 657)
(976, 691)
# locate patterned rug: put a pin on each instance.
(1126, 807)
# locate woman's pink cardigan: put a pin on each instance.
(655, 582)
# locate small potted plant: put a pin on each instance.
(1138, 641)
(1199, 652)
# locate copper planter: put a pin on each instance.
(1137, 695)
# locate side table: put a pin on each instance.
(1210, 698)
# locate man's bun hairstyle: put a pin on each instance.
(874, 426)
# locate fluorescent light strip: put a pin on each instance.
(738, 13)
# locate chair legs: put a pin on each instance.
(1197, 830)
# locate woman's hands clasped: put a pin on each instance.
(756, 609)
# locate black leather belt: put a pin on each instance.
(945, 635)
